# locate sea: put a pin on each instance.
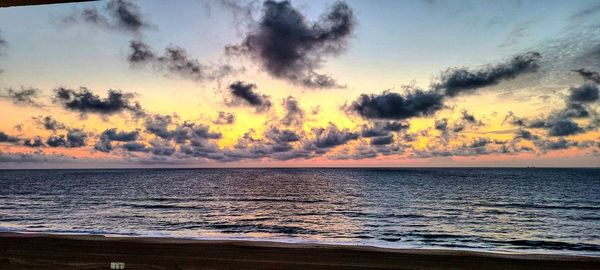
(507, 210)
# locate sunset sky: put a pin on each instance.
(301, 83)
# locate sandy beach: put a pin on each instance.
(42, 251)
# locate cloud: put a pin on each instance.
(34, 142)
(184, 132)
(135, 147)
(23, 96)
(585, 13)
(189, 131)
(49, 123)
(8, 138)
(294, 115)
(176, 61)
(418, 102)
(74, 138)
(563, 127)
(282, 136)
(224, 118)
(159, 125)
(456, 80)
(84, 101)
(3, 44)
(441, 125)
(290, 47)
(122, 136)
(589, 75)
(56, 141)
(558, 126)
(585, 93)
(383, 140)
(525, 134)
(390, 105)
(382, 128)
(103, 146)
(162, 148)
(479, 142)
(121, 15)
(572, 110)
(466, 116)
(332, 136)
(562, 143)
(243, 93)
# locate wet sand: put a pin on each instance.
(41, 251)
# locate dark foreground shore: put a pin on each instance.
(37, 251)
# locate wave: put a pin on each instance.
(538, 206)
(552, 245)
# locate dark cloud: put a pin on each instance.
(291, 48)
(562, 143)
(49, 123)
(295, 154)
(466, 116)
(294, 115)
(121, 136)
(282, 136)
(8, 138)
(395, 126)
(56, 141)
(159, 125)
(176, 61)
(390, 105)
(202, 149)
(103, 146)
(458, 127)
(513, 119)
(84, 101)
(456, 80)
(122, 15)
(76, 138)
(23, 96)
(585, 93)
(224, 118)
(189, 131)
(384, 140)
(573, 110)
(162, 148)
(559, 121)
(563, 127)
(332, 136)
(524, 134)
(244, 93)
(479, 142)
(135, 147)
(558, 126)
(281, 139)
(441, 125)
(589, 75)
(373, 131)
(34, 142)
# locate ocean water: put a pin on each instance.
(503, 210)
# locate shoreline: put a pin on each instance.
(299, 242)
(77, 251)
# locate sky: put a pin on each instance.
(226, 83)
